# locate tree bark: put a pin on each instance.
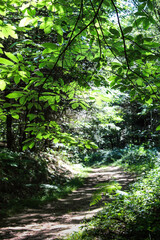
(9, 132)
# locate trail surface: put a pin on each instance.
(64, 216)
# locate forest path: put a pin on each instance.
(63, 216)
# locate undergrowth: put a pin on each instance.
(28, 180)
(133, 214)
(138, 159)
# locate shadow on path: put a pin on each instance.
(64, 216)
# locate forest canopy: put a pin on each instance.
(53, 51)
(79, 88)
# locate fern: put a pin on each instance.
(108, 188)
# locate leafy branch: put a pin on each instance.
(72, 39)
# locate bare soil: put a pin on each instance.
(64, 216)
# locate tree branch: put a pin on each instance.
(126, 56)
(72, 39)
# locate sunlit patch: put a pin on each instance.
(64, 216)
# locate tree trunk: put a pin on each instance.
(9, 132)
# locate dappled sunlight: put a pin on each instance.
(63, 216)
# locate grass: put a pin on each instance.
(30, 184)
(44, 197)
(80, 236)
(133, 213)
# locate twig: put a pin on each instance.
(71, 40)
(126, 56)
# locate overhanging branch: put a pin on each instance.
(71, 40)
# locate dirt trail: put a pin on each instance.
(64, 216)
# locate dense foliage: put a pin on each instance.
(29, 180)
(82, 78)
(50, 50)
(133, 213)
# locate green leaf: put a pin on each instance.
(49, 45)
(106, 2)
(60, 9)
(5, 61)
(87, 146)
(115, 65)
(151, 19)
(2, 11)
(139, 82)
(148, 39)
(2, 85)
(141, 7)
(150, 5)
(127, 30)
(31, 116)
(149, 101)
(158, 128)
(138, 22)
(144, 20)
(25, 147)
(146, 23)
(140, 14)
(58, 29)
(11, 56)
(25, 21)
(22, 100)
(7, 30)
(29, 129)
(47, 30)
(39, 136)
(15, 95)
(139, 38)
(114, 32)
(31, 145)
(20, 57)
(75, 105)
(17, 79)
(93, 145)
(56, 140)
(83, 106)
(15, 115)
(54, 107)
(47, 24)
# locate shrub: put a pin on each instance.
(133, 214)
(138, 158)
